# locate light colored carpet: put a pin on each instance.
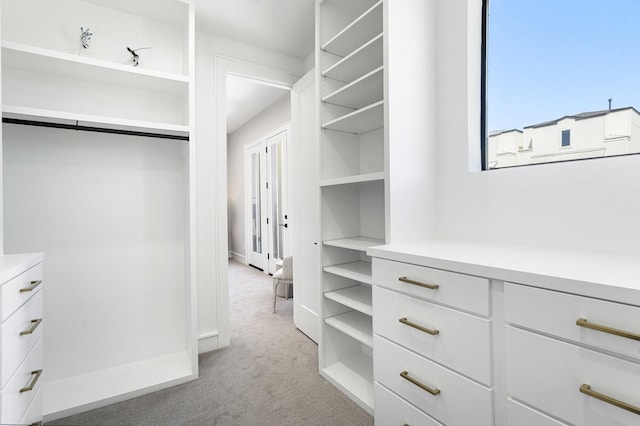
(268, 376)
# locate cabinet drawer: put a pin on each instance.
(457, 290)
(18, 290)
(18, 336)
(548, 374)
(518, 414)
(556, 313)
(460, 401)
(34, 412)
(13, 403)
(459, 334)
(393, 410)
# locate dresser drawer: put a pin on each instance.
(18, 290)
(457, 290)
(460, 401)
(393, 410)
(556, 313)
(19, 334)
(13, 402)
(518, 414)
(458, 334)
(33, 416)
(548, 374)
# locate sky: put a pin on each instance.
(551, 58)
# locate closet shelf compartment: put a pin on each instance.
(354, 324)
(35, 59)
(364, 27)
(354, 376)
(355, 243)
(357, 297)
(72, 119)
(368, 177)
(360, 121)
(364, 91)
(357, 271)
(358, 63)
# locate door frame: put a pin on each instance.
(224, 65)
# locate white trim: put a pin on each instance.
(208, 342)
(238, 257)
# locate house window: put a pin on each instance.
(591, 87)
(566, 138)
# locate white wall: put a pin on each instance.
(586, 205)
(213, 314)
(276, 115)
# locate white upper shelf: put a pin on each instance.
(367, 57)
(363, 28)
(35, 59)
(86, 120)
(360, 121)
(361, 92)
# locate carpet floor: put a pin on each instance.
(268, 376)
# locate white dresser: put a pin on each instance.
(21, 359)
(471, 334)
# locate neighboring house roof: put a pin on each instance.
(499, 132)
(580, 116)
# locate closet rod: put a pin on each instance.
(92, 129)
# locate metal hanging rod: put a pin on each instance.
(92, 129)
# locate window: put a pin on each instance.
(555, 67)
(566, 138)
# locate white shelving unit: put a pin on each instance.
(349, 37)
(50, 80)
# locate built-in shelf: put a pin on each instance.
(364, 91)
(99, 388)
(360, 121)
(354, 324)
(85, 120)
(35, 59)
(353, 375)
(355, 243)
(357, 271)
(368, 177)
(363, 28)
(361, 61)
(357, 297)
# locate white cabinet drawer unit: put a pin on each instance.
(21, 329)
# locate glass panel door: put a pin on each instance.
(277, 198)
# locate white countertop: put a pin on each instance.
(12, 265)
(603, 275)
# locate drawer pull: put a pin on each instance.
(36, 376)
(433, 332)
(33, 284)
(34, 324)
(584, 323)
(38, 423)
(586, 389)
(405, 375)
(418, 283)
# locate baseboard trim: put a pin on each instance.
(238, 257)
(208, 342)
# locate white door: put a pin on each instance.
(276, 148)
(257, 202)
(304, 222)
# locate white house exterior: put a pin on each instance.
(585, 135)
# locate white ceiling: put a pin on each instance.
(247, 98)
(285, 26)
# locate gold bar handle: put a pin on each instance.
(582, 322)
(433, 332)
(34, 324)
(405, 375)
(36, 376)
(418, 283)
(586, 389)
(33, 284)
(38, 423)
